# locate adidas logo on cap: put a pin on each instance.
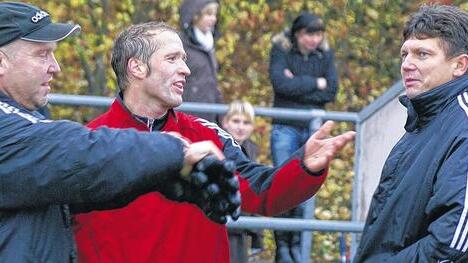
(38, 16)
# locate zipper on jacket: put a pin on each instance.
(150, 123)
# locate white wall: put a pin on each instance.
(379, 133)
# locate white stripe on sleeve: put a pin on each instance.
(463, 103)
(457, 241)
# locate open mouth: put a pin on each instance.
(46, 83)
(179, 86)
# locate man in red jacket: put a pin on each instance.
(149, 61)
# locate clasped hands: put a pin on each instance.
(207, 180)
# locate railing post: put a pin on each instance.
(356, 194)
(307, 239)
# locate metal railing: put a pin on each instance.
(294, 224)
(280, 113)
(287, 224)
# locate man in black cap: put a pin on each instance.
(303, 76)
(50, 169)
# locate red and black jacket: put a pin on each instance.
(155, 229)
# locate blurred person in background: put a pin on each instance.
(239, 121)
(303, 76)
(198, 20)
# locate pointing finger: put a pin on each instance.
(324, 130)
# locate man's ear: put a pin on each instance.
(137, 68)
(461, 65)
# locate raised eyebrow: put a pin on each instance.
(425, 50)
(177, 54)
(403, 48)
(49, 46)
(48, 50)
(43, 50)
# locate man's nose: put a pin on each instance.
(407, 64)
(185, 69)
(214, 18)
(54, 66)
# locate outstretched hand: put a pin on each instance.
(320, 149)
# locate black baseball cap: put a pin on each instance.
(30, 23)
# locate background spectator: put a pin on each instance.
(303, 76)
(198, 24)
(239, 122)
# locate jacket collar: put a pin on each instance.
(14, 103)
(128, 119)
(424, 107)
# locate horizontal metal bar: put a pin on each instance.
(294, 224)
(280, 113)
(80, 100)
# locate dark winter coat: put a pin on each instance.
(301, 92)
(49, 169)
(202, 84)
(419, 210)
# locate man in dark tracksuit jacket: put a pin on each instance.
(419, 210)
(45, 165)
(50, 169)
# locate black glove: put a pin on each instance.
(220, 196)
(211, 185)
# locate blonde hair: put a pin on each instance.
(238, 107)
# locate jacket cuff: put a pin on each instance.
(309, 172)
(304, 167)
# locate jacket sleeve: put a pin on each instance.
(271, 191)
(266, 190)
(61, 162)
(292, 88)
(447, 236)
(327, 95)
